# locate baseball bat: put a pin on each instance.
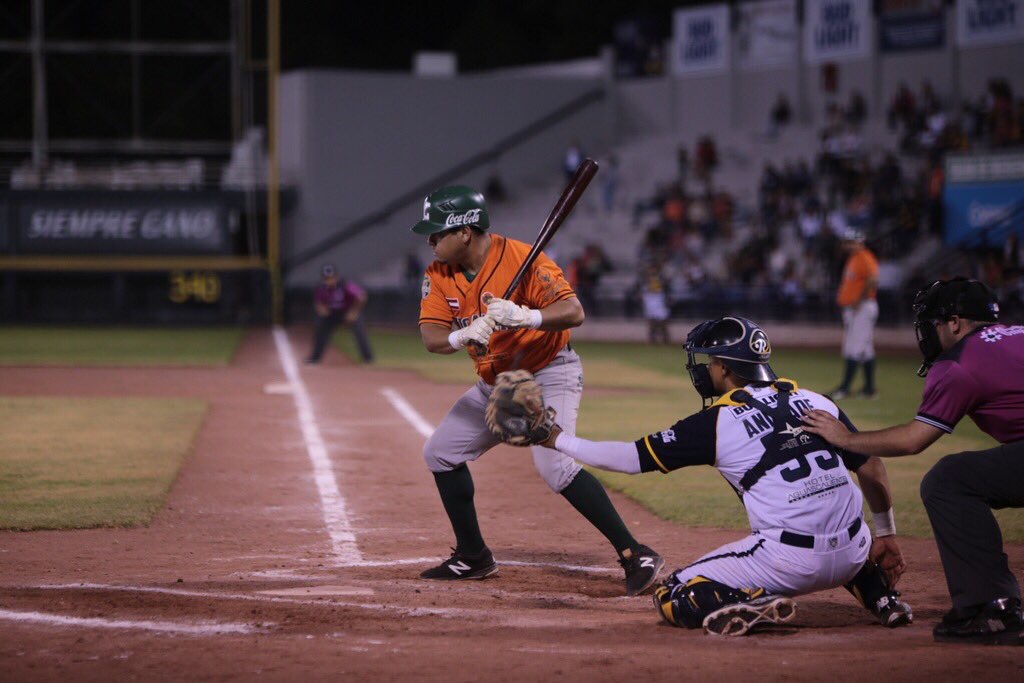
(585, 172)
(561, 210)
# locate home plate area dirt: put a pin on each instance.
(273, 559)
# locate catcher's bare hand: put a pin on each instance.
(885, 552)
(516, 413)
(827, 427)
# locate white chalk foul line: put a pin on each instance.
(343, 540)
(197, 629)
(405, 409)
(448, 612)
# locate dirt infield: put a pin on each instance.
(258, 568)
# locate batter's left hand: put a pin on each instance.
(508, 314)
(885, 552)
(827, 427)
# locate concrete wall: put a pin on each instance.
(354, 141)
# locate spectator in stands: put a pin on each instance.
(585, 274)
(683, 165)
(857, 109)
(935, 179)
(902, 108)
(494, 189)
(781, 114)
(573, 158)
(707, 159)
(338, 301)
(412, 272)
(654, 295)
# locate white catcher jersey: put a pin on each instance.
(786, 479)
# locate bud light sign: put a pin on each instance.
(985, 22)
(836, 30)
(700, 43)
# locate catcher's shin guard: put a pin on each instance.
(872, 590)
(688, 604)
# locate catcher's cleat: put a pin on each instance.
(462, 566)
(738, 619)
(999, 622)
(892, 612)
(641, 566)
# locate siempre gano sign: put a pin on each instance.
(95, 227)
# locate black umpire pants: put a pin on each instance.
(325, 326)
(959, 494)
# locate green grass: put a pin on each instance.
(118, 346)
(653, 391)
(71, 463)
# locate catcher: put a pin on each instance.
(460, 311)
(804, 511)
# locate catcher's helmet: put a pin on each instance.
(940, 301)
(739, 343)
(453, 207)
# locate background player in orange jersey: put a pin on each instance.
(460, 305)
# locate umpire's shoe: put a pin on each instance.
(641, 565)
(999, 622)
(463, 566)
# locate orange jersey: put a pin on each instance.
(450, 300)
(860, 267)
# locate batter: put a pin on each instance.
(460, 310)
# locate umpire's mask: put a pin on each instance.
(939, 302)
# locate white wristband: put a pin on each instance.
(534, 319)
(885, 523)
(454, 340)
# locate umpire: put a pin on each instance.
(974, 366)
(338, 301)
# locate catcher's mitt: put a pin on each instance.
(515, 410)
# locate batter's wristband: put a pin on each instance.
(534, 318)
(885, 523)
(454, 341)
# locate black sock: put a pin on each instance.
(456, 489)
(586, 494)
(848, 373)
(869, 376)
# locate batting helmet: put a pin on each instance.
(453, 207)
(940, 301)
(740, 344)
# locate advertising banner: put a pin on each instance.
(983, 193)
(836, 30)
(985, 22)
(700, 40)
(121, 223)
(905, 25)
(766, 34)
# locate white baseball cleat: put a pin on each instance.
(739, 618)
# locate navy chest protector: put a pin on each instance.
(786, 441)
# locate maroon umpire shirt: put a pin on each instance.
(981, 376)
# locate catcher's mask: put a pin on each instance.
(738, 343)
(941, 301)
